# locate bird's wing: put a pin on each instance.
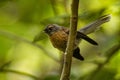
(66, 30)
(81, 35)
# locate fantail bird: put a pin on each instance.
(59, 35)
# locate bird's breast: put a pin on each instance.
(59, 40)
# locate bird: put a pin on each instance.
(58, 36)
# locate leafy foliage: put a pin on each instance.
(22, 20)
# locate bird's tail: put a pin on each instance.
(95, 24)
(85, 37)
(77, 54)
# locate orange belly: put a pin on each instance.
(59, 40)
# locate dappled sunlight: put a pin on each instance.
(26, 52)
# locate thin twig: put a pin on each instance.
(71, 41)
(5, 64)
(20, 73)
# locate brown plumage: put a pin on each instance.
(59, 37)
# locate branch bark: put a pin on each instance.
(71, 41)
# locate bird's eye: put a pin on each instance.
(50, 29)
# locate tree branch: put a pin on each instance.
(20, 73)
(4, 68)
(71, 41)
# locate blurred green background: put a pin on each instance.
(23, 20)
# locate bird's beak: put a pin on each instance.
(45, 30)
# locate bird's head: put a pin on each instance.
(51, 28)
